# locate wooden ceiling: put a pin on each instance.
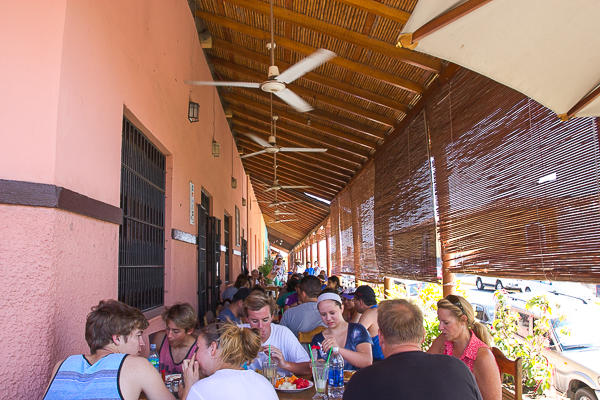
(358, 97)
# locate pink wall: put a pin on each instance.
(70, 71)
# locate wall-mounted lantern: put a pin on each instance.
(193, 111)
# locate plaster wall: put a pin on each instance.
(80, 66)
(53, 269)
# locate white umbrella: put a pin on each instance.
(548, 50)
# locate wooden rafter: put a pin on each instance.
(347, 35)
(382, 10)
(314, 77)
(305, 49)
(311, 94)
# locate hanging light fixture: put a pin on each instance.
(233, 183)
(193, 111)
(216, 148)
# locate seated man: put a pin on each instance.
(235, 311)
(279, 340)
(407, 372)
(304, 317)
(113, 369)
(365, 302)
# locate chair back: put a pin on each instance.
(511, 367)
(209, 318)
(306, 337)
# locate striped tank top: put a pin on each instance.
(77, 379)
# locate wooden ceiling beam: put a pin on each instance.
(292, 141)
(305, 134)
(306, 49)
(285, 115)
(286, 181)
(293, 176)
(316, 96)
(305, 159)
(285, 166)
(314, 77)
(346, 35)
(382, 10)
(336, 119)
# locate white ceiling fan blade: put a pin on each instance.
(282, 213)
(286, 220)
(269, 189)
(309, 63)
(219, 83)
(258, 139)
(297, 187)
(253, 154)
(305, 149)
(294, 100)
(290, 202)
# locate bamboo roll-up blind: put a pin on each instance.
(335, 242)
(363, 196)
(517, 189)
(346, 232)
(403, 207)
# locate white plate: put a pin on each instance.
(310, 384)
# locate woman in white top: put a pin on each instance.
(222, 350)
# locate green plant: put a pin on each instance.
(266, 268)
(537, 372)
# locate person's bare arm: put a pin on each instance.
(301, 368)
(54, 371)
(362, 357)
(191, 375)
(138, 375)
(487, 375)
(437, 347)
(367, 319)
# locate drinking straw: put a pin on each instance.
(269, 354)
(312, 360)
(328, 355)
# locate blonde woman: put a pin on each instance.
(222, 350)
(468, 340)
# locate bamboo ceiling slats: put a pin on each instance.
(359, 97)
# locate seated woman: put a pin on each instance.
(468, 340)
(176, 343)
(222, 350)
(334, 283)
(352, 339)
(350, 313)
(240, 281)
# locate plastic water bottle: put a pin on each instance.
(153, 357)
(336, 374)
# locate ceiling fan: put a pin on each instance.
(278, 221)
(275, 82)
(271, 147)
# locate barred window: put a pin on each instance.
(142, 233)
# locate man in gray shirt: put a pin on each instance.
(305, 317)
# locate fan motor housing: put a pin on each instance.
(272, 86)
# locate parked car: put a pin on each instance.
(497, 283)
(574, 344)
(412, 287)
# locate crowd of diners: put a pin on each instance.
(381, 342)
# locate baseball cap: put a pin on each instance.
(241, 294)
(365, 293)
(349, 293)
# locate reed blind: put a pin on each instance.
(363, 197)
(517, 189)
(405, 239)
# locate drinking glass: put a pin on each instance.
(270, 371)
(320, 373)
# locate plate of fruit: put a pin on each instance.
(292, 384)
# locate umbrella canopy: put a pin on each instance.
(545, 49)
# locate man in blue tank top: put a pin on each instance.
(113, 369)
(365, 302)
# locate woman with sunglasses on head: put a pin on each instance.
(222, 350)
(468, 340)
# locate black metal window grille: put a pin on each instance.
(142, 233)
(226, 222)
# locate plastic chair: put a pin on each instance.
(511, 367)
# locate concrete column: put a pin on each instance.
(448, 283)
(387, 286)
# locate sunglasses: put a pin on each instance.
(455, 301)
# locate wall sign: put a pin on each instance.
(192, 205)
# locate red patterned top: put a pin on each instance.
(470, 354)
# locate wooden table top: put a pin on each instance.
(305, 394)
